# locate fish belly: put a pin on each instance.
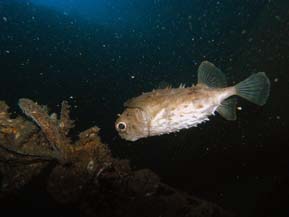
(182, 117)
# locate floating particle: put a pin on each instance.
(71, 97)
(239, 108)
(5, 19)
(132, 77)
(277, 17)
(7, 51)
(276, 79)
(278, 117)
(243, 31)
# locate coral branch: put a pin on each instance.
(48, 126)
(65, 124)
(4, 110)
(17, 135)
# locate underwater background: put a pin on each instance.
(98, 54)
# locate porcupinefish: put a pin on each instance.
(168, 110)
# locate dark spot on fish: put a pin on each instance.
(199, 106)
(191, 92)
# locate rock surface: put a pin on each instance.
(84, 173)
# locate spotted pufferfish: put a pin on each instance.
(169, 110)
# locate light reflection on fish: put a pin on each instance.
(169, 110)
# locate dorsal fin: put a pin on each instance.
(210, 75)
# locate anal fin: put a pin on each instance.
(227, 109)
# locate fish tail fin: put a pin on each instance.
(256, 88)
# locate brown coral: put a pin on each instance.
(25, 150)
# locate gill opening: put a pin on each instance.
(147, 119)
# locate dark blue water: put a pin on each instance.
(98, 54)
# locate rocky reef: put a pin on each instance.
(83, 172)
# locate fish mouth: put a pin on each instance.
(127, 138)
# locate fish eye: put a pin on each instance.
(121, 126)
